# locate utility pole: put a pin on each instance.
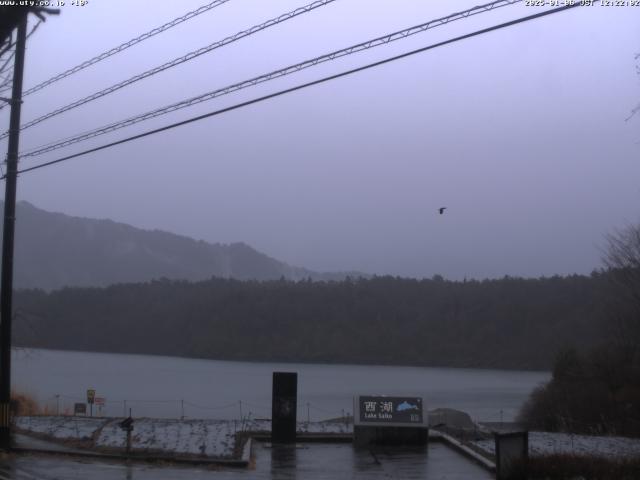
(6, 288)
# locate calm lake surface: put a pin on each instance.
(156, 386)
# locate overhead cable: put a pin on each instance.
(383, 40)
(177, 61)
(125, 45)
(302, 86)
(7, 60)
(13, 51)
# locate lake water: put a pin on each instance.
(156, 386)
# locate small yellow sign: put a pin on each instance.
(91, 395)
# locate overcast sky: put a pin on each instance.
(521, 133)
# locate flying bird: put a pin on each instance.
(441, 210)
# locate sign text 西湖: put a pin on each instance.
(382, 409)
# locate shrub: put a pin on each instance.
(23, 404)
(565, 467)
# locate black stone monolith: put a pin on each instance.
(284, 407)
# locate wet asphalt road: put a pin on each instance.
(306, 461)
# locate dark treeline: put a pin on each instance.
(597, 390)
(506, 323)
(594, 392)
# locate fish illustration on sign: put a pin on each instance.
(406, 406)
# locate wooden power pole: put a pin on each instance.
(6, 287)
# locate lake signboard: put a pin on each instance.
(381, 419)
(387, 410)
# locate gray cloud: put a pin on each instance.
(521, 133)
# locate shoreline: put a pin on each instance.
(17, 348)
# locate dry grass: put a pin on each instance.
(569, 467)
(23, 403)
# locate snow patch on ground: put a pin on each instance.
(210, 438)
(544, 443)
(62, 428)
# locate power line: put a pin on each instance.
(6, 62)
(13, 52)
(383, 40)
(5, 84)
(5, 81)
(8, 59)
(125, 45)
(177, 61)
(10, 44)
(304, 85)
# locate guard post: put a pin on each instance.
(512, 451)
(386, 420)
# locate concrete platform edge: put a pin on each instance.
(138, 457)
(466, 451)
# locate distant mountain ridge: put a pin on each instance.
(54, 250)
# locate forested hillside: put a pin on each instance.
(506, 323)
(54, 250)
